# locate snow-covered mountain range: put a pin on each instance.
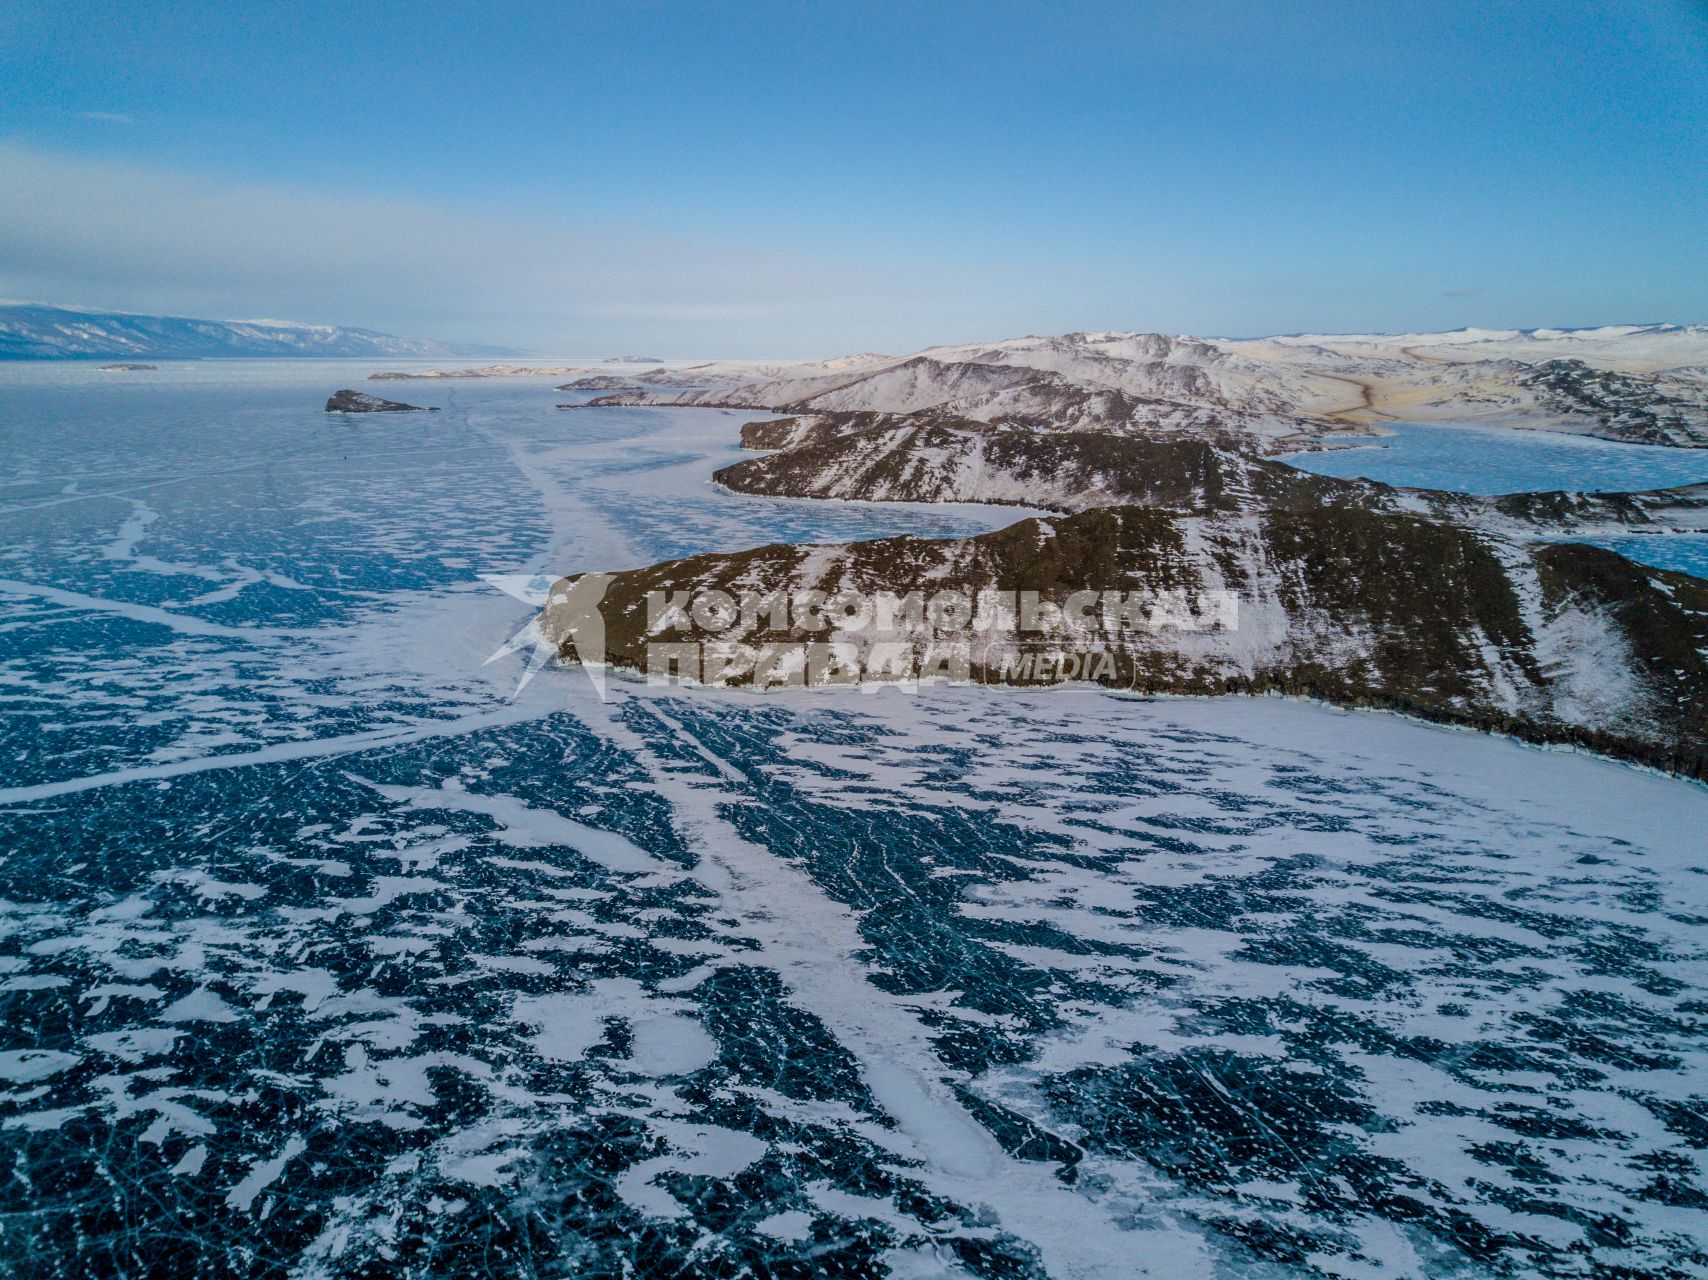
(1644, 383)
(31, 331)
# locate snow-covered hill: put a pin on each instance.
(883, 458)
(30, 331)
(1637, 383)
(1555, 642)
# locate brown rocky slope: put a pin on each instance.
(1555, 643)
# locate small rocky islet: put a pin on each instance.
(348, 401)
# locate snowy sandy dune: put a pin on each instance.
(1629, 348)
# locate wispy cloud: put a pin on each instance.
(144, 238)
(106, 117)
(1463, 291)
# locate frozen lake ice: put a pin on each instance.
(326, 952)
(1489, 460)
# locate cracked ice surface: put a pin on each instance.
(319, 956)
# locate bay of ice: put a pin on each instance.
(1488, 460)
(326, 951)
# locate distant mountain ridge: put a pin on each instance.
(33, 331)
(1639, 383)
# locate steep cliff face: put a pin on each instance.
(1560, 643)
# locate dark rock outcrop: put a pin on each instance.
(348, 401)
(1627, 406)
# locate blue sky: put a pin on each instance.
(797, 179)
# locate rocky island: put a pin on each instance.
(127, 368)
(487, 371)
(348, 401)
(603, 382)
(1231, 572)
